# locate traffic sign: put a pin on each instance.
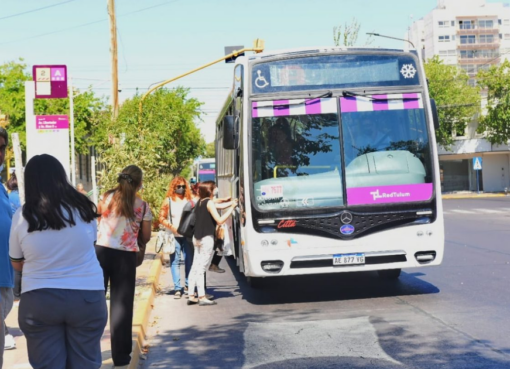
(477, 163)
(50, 81)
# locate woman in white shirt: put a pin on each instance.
(62, 311)
(178, 195)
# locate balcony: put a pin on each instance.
(478, 46)
(477, 31)
(492, 61)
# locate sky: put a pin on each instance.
(158, 39)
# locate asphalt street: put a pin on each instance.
(452, 316)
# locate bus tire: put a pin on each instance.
(390, 274)
(255, 282)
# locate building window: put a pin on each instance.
(486, 39)
(443, 52)
(468, 39)
(452, 52)
(467, 54)
(453, 23)
(486, 24)
(443, 24)
(444, 38)
(506, 22)
(507, 36)
(469, 68)
(499, 22)
(467, 24)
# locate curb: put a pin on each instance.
(473, 196)
(143, 311)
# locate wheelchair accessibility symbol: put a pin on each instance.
(260, 81)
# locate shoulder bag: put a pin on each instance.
(187, 224)
(166, 239)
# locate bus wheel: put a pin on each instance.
(255, 282)
(389, 274)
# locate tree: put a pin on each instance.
(162, 144)
(458, 103)
(210, 150)
(87, 107)
(496, 123)
(347, 35)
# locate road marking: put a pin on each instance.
(462, 211)
(489, 211)
(267, 343)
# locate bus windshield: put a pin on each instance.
(386, 149)
(296, 154)
(206, 172)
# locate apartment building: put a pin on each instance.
(474, 35)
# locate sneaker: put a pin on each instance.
(206, 302)
(186, 291)
(215, 268)
(177, 295)
(10, 344)
(192, 301)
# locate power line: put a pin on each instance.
(86, 24)
(36, 10)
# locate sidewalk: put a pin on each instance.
(146, 281)
(471, 195)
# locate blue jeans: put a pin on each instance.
(175, 262)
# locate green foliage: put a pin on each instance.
(496, 123)
(87, 107)
(458, 103)
(163, 144)
(210, 150)
(12, 96)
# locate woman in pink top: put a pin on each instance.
(123, 216)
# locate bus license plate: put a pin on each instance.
(348, 259)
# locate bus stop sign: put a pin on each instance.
(477, 163)
(50, 81)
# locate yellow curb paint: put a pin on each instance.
(475, 196)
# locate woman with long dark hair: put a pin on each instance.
(122, 216)
(207, 218)
(62, 310)
(178, 195)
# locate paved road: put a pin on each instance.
(452, 316)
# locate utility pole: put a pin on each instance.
(113, 51)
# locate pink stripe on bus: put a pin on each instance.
(281, 108)
(411, 101)
(254, 110)
(348, 104)
(313, 106)
(381, 104)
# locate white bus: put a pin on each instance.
(205, 170)
(332, 154)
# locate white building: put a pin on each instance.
(473, 34)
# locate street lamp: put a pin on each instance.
(393, 38)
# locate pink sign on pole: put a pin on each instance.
(50, 81)
(51, 122)
(389, 194)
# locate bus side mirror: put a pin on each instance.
(435, 116)
(230, 136)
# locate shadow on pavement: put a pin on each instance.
(329, 287)
(225, 346)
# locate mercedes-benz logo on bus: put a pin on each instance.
(346, 217)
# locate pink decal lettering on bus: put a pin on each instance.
(206, 171)
(389, 194)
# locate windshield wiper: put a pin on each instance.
(326, 94)
(346, 93)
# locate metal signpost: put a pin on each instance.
(477, 165)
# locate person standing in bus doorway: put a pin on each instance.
(207, 218)
(178, 195)
(6, 271)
